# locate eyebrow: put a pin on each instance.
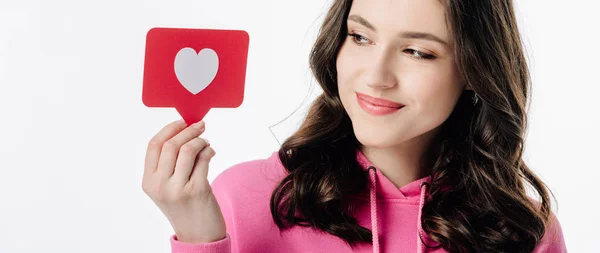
(409, 35)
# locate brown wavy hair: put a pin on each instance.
(477, 198)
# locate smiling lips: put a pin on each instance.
(377, 106)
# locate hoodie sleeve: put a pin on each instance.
(222, 246)
(553, 240)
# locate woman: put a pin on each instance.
(415, 145)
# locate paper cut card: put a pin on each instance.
(194, 70)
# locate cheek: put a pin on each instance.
(346, 84)
(436, 92)
(347, 70)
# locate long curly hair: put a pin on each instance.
(477, 198)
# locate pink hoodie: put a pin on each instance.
(244, 190)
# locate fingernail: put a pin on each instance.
(207, 142)
(199, 125)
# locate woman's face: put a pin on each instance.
(405, 55)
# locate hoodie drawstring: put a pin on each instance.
(373, 196)
(373, 192)
(419, 225)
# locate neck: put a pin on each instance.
(404, 163)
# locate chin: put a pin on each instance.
(375, 139)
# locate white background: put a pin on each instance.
(74, 130)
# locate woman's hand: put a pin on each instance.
(175, 178)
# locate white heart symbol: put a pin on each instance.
(196, 71)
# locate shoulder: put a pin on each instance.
(243, 193)
(553, 240)
(252, 175)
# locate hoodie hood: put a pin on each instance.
(380, 187)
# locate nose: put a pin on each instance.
(381, 74)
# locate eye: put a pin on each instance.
(356, 38)
(419, 55)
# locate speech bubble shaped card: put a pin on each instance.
(194, 70)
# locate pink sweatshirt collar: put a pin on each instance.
(385, 189)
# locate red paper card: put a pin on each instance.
(194, 70)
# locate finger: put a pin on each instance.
(200, 170)
(171, 148)
(186, 159)
(156, 143)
